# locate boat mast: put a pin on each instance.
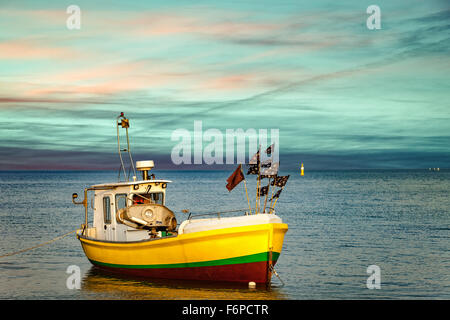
(124, 123)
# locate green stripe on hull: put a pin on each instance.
(258, 257)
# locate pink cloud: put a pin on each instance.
(230, 82)
(107, 79)
(95, 78)
(201, 21)
(246, 82)
(22, 49)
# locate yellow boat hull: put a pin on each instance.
(237, 254)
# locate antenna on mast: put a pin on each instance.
(124, 123)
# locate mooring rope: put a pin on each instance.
(39, 245)
(272, 269)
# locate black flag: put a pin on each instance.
(280, 181)
(263, 190)
(272, 171)
(253, 169)
(270, 149)
(276, 195)
(255, 158)
(266, 164)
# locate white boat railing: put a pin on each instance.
(219, 213)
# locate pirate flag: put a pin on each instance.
(270, 172)
(254, 159)
(280, 181)
(266, 164)
(263, 191)
(276, 195)
(270, 149)
(253, 169)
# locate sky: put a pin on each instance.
(342, 96)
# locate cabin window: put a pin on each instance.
(157, 197)
(146, 198)
(121, 201)
(107, 210)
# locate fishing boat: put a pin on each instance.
(135, 233)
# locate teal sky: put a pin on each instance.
(341, 95)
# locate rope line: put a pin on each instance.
(272, 269)
(39, 245)
(66, 234)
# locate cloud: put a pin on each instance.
(29, 49)
(12, 101)
(305, 71)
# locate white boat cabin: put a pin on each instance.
(131, 210)
(109, 199)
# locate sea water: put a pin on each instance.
(340, 223)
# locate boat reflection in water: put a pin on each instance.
(113, 286)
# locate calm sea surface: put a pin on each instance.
(339, 223)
